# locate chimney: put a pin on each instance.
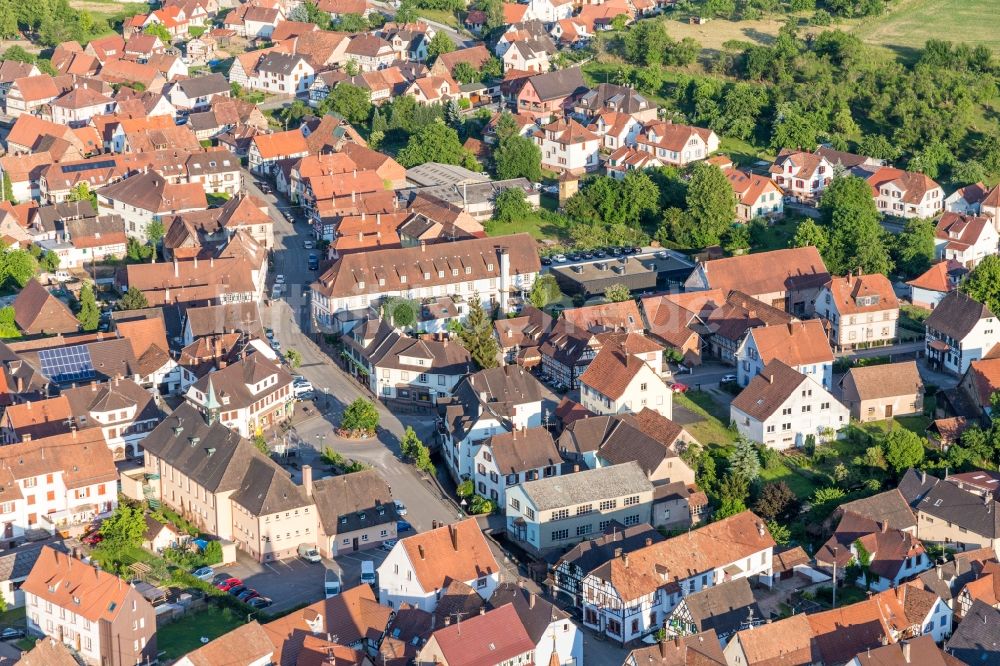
(447, 620)
(177, 268)
(923, 476)
(453, 533)
(625, 559)
(423, 246)
(434, 524)
(531, 600)
(576, 468)
(420, 550)
(906, 651)
(196, 262)
(649, 541)
(618, 552)
(307, 479)
(663, 649)
(884, 526)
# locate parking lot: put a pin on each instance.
(293, 582)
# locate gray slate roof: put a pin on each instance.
(202, 86)
(977, 639)
(956, 315)
(948, 502)
(352, 496)
(723, 607)
(587, 486)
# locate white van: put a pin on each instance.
(309, 553)
(368, 572)
(331, 584)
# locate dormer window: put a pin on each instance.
(468, 270)
(427, 276)
(440, 274)
(489, 267)
(381, 282)
(402, 279)
(361, 284)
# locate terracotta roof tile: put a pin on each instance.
(453, 552)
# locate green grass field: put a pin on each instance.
(910, 23)
(178, 638)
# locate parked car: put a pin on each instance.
(389, 544)
(331, 583)
(204, 573)
(546, 261)
(403, 526)
(728, 379)
(264, 187)
(309, 553)
(279, 279)
(308, 245)
(559, 258)
(228, 584)
(236, 590)
(221, 577)
(677, 387)
(247, 594)
(400, 507)
(259, 602)
(368, 572)
(11, 634)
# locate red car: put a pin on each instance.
(677, 387)
(93, 538)
(227, 585)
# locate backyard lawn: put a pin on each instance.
(711, 426)
(178, 638)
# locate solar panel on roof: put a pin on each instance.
(67, 364)
(73, 168)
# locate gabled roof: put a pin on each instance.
(768, 391)
(615, 367)
(36, 310)
(723, 608)
(771, 272)
(946, 501)
(857, 294)
(957, 314)
(558, 84)
(798, 343)
(452, 552)
(246, 644)
(281, 144)
(353, 501)
(62, 579)
(523, 450)
(913, 185)
(497, 636)
(883, 381)
(701, 649)
(977, 639)
(942, 276)
(586, 486)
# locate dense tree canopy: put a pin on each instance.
(435, 142)
(983, 283)
(518, 157)
(854, 226)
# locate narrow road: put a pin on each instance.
(289, 318)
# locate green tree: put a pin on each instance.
(857, 238)
(477, 335)
(915, 246)
(744, 460)
(260, 443)
(440, 43)
(617, 293)
(435, 142)
(510, 205)
(133, 300)
(17, 266)
(294, 358)
(733, 493)
(491, 70)
(466, 489)
(352, 102)
(124, 528)
(82, 192)
(8, 327)
(89, 315)
(736, 239)
(154, 234)
(401, 312)
(423, 461)
(360, 417)
(544, 291)
(8, 26)
(879, 147)
(518, 157)
(711, 204)
(158, 30)
(983, 283)
(809, 233)
(903, 449)
(49, 262)
(781, 534)
(464, 72)
(410, 445)
(352, 23)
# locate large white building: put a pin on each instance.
(803, 345)
(624, 377)
(860, 310)
(781, 408)
(492, 269)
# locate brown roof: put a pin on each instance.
(246, 644)
(621, 316)
(616, 365)
(82, 456)
(152, 192)
(62, 580)
(883, 381)
(36, 310)
(649, 568)
(281, 144)
(360, 273)
(787, 642)
(768, 391)
(143, 334)
(848, 292)
(938, 277)
(889, 508)
(48, 652)
(798, 343)
(476, 56)
(768, 272)
(920, 650)
(495, 637)
(522, 450)
(38, 418)
(35, 88)
(702, 649)
(843, 632)
(453, 552)
(914, 185)
(28, 129)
